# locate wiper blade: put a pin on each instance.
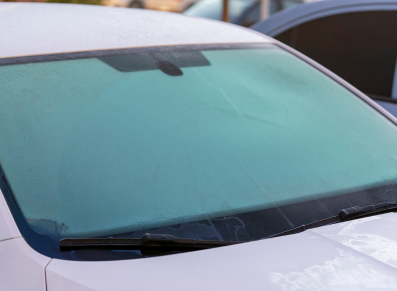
(344, 215)
(357, 211)
(149, 242)
(158, 243)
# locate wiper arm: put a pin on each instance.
(158, 243)
(344, 215)
(149, 242)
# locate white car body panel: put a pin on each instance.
(374, 236)
(8, 227)
(57, 28)
(356, 255)
(21, 268)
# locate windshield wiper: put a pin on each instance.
(344, 215)
(160, 243)
(149, 242)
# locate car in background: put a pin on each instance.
(143, 150)
(355, 39)
(163, 5)
(124, 3)
(241, 12)
(169, 5)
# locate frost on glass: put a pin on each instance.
(89, 150)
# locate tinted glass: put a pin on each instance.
(252, 16)
(227, 144)
(213, 9)
(241, 12)
(289, 3)
(359, 47)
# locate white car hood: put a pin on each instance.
(356, 255)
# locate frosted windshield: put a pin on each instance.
(90, 150)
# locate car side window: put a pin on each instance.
(290, 3)
(252, 16)
(360, 47)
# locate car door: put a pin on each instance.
(359, 45)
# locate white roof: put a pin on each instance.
(38, 28)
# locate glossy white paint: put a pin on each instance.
(8, 227)
(38, 28)
(374, 236)
(21, 268)
(356, 255)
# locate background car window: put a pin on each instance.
(359, 47)
(241, 12)
(253, 15)
(213, 9)
(290, 3)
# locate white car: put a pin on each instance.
(152, 151)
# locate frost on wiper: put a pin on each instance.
(149, 242)
(344, 215)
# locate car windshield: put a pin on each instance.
(232, 142)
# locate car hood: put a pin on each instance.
(356, 255)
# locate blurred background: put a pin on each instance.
(240, 12)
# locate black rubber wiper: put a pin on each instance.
(149, 242)
(344, 215)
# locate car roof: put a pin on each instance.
(299, 14)
(44, 28)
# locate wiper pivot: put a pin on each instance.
(357, 211)
(344, 215)
(151, 242)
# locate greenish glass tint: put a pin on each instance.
(92, 151)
